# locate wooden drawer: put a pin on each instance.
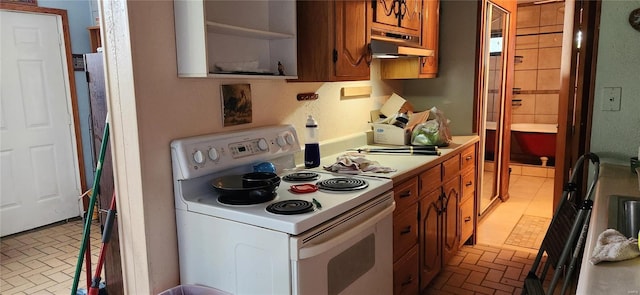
(405, 231)
(467, 213)
(430, 180)
(451, 167)
(405, 194)
(405, 274)
(468, 157)
(468, 184)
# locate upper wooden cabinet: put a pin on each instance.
(333, 40)
(418, 67)
(236, 39)
(402, 17)
(430, 37)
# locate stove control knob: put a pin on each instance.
(290, 139)
(213, 154)
(262, 144)
(198, 157)
(281, 141)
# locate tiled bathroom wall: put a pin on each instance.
(537, 68)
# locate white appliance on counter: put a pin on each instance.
(339, 243)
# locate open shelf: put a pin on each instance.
(220, 28)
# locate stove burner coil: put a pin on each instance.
(342, 184)
(301, 176)
(290, 207)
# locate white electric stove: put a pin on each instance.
(340, 241)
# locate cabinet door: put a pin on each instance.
(411, 16)
(451, 219)
(404, 17)
(430, 35)
(386, 12)
(352, 36)
(430, 253)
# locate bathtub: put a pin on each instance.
(533, 139)
(536, 139)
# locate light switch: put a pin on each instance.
(611, 97)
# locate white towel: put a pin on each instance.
(614, 246)
(354, 163)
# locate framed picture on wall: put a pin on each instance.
(25, 2)
(236, 104)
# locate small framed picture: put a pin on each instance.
(236, 104)
(24, 2)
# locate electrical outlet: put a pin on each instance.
(307, 96)
(611, 97)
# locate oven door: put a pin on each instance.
(349, 255)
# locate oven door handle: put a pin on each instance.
(330, 244)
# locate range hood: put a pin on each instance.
(385, 45)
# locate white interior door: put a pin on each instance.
(40, 181)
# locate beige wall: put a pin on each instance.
(453, 90)
(150, 106)
(615, 135)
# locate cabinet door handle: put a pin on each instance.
(405, 194)
(443, 202)
(408, 281)
(467, 219)
(406, 230)
(469, 183)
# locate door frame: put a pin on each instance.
(70, 73)
(511, 7)
(578, 74)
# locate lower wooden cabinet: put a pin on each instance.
(435, 214)
(451, 219)
(405, 274)
(430, 237)
(405, 231)
(467, 213)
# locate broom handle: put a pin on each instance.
(92, 204)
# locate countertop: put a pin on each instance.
(406, 165)
(621, 277)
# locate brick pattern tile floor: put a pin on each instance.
(43, 260)
(482, 269)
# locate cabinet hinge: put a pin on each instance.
(335, 55)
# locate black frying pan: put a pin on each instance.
(246, 189)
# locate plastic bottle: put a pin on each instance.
(311, 147)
